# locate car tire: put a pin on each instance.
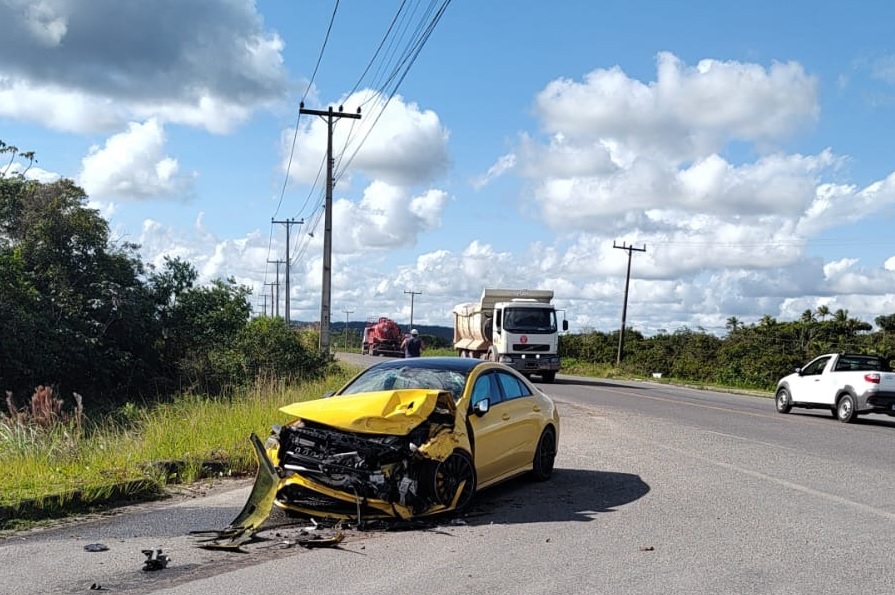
(548, 377)
(545, 455)
(449, 473)
(783, 401)
(845, 409)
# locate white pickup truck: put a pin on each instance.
(846, 384)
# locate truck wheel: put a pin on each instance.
(783, 401)
(548, 377)
(845, 409)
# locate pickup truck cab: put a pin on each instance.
(846, 384)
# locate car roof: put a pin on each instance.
(457, 364)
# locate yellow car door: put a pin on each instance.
(522, 417)
(488, 429)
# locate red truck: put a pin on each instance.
(382, 337)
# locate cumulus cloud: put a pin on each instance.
(396, 142)
(92, 66)
(386, 217)
(132, 165)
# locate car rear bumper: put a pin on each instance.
(880, 402)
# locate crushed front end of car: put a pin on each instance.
(401, 454)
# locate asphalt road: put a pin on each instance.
(657, 490)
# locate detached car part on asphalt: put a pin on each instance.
(403, 439)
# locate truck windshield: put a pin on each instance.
(529, 320)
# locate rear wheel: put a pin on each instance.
(450, 473)
(845, 409)
(783, 401)
(545, 455)
(548, 377)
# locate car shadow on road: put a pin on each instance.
(569, 495)
(881, 421)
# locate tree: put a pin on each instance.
(733, 323)
(807, 317)
(822, 312)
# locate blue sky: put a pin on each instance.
(747, 146)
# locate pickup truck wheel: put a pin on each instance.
(783, 401)
(845, 409)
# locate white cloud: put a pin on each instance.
(386, 217)
(132, 165)
(504, 164)
(398, 143)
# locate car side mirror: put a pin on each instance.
(328, 394)
(481, 407)
(799, 371)
(565, 325)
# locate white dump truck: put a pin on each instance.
(517, 327)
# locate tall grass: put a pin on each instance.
(94, 459)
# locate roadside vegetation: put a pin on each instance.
(120, 377)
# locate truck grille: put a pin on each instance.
(530, 347)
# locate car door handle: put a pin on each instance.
(505, 417)
(536, 408)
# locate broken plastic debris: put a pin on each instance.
(96, 547)
(155, 560)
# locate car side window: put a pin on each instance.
(815, 367)
(512, 388)
(485, 388)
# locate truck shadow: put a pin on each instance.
(569, 495)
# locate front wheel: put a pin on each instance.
(545, 455)
(548, 377)
(455, 470)
(845, 409)
(784, 403)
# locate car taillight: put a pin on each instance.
(872, 378)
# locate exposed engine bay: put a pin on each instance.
(410, 458)
(382, 467)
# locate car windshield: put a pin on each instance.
(530, 320)
(392, 378)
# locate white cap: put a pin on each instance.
(414, 332)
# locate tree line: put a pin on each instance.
(83, 313)
(749, 355)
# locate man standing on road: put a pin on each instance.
(412, 345)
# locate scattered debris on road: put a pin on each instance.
(96, 547)
(155, 560)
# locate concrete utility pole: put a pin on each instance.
(347, 312)
(288, 300)
(326, 286)
(412, 294)
(621, 335)
(271, 285)
(276, 285)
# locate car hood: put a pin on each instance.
(394, 412)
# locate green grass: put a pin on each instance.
(50, 469)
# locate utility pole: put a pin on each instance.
(621, 335)
(276, 285)
(271, 285)
(412, 294)
(288, 300)
(326, 286)
(264, 304)
(347, 312)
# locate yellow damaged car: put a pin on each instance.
(404, 438)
